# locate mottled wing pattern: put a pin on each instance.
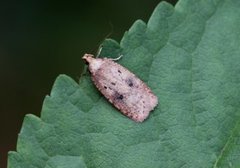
(122, 88)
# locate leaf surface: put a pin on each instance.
(189, 55)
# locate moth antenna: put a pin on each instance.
(116, 59)
(101, 42)
(99, 51)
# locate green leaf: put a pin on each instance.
(190, 57)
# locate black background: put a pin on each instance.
(41, 39)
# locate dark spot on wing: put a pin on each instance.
(130, 82)
(113, 83)
(118, 96)
(119, 71)
(105, 87)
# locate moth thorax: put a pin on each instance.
(95, 64)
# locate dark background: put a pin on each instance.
(41, 39)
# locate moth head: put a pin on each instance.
(94, 64)
(88, 58)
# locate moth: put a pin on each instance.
(121, 87)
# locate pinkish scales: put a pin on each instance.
(122, 88)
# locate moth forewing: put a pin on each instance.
(122, 88)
